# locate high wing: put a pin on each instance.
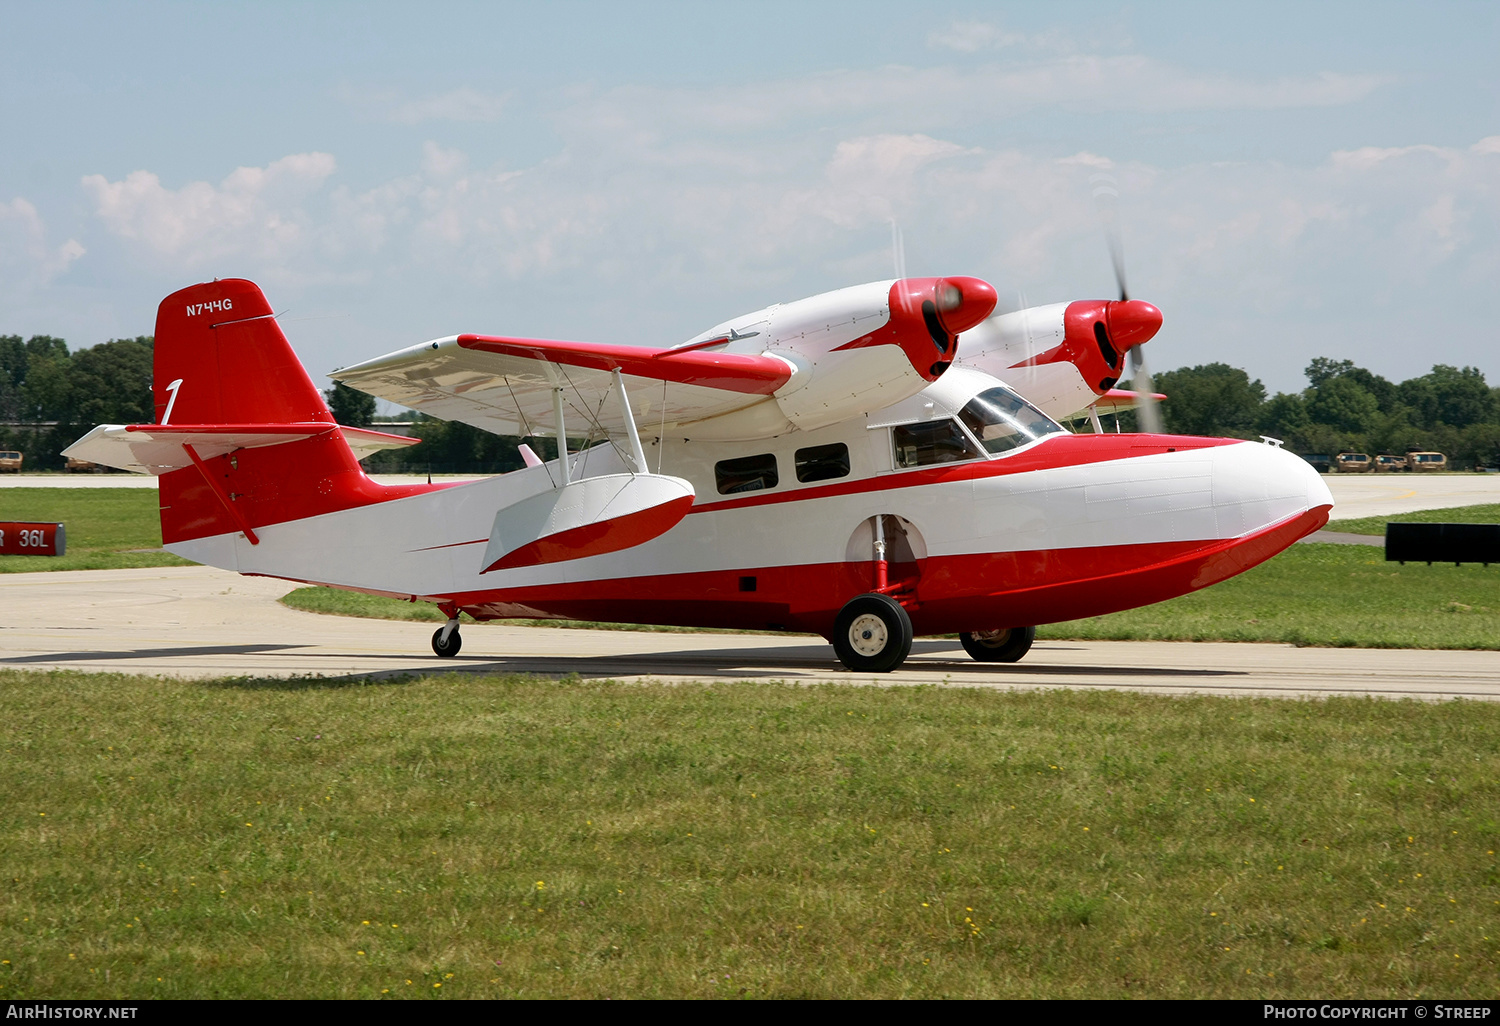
(800, 365)
(505, 385)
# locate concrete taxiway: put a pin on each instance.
(196, 622)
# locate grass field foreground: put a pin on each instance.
(481, 837)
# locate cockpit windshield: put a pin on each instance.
(1002, 420)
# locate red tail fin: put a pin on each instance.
(221, 362)
(221, 359)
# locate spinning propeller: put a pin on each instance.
(1127, 320)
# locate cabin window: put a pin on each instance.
(936, 441)
(822, 462)
(1002, 420)
(746, 474)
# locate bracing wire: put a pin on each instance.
(592, 417)
(526, 424)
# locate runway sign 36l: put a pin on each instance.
(23, 539)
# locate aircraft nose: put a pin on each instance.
(1256, 486)
(1132, 322)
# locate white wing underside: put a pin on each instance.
(512, 395)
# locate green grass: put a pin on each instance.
(1325, 595)
(1488, 514)
(517, 837)
(105, 528)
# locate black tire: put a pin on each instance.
(451, 648)
(1003, 646)
(872, 634)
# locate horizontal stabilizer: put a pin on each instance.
(586, 518)
(161, 448)
(364, 442)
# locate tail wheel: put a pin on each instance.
(872, 634)
(1003, 646)
(449, 648)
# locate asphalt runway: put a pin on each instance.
(197, 622)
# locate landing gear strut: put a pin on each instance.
(1003, 646)
(872, 634)
(446, 641)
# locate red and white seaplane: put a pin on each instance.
(868, 464)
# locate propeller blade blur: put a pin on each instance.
(1107, 199)
(1147, 413)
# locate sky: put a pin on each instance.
(1295, 180)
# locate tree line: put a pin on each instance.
(50, 397)
(1344, 407)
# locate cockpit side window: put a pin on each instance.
(932, 442)
(1002, 420)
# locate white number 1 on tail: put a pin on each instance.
(173, 387)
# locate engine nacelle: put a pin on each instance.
(860, 349)
(1061, 357)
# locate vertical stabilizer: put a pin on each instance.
(224, 369)
(220, 358)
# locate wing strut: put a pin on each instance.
(637, 453)
(562, 437)
(226, 501)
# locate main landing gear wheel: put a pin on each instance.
(447, 648)
(872, 634)
(1003, 646)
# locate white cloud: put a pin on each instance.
(943, 97)
(664, 210)
(442, 163)
(253, 210)
(25, 254)
(972, 36)
(465, 104)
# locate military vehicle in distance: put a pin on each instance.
(1426, 461)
